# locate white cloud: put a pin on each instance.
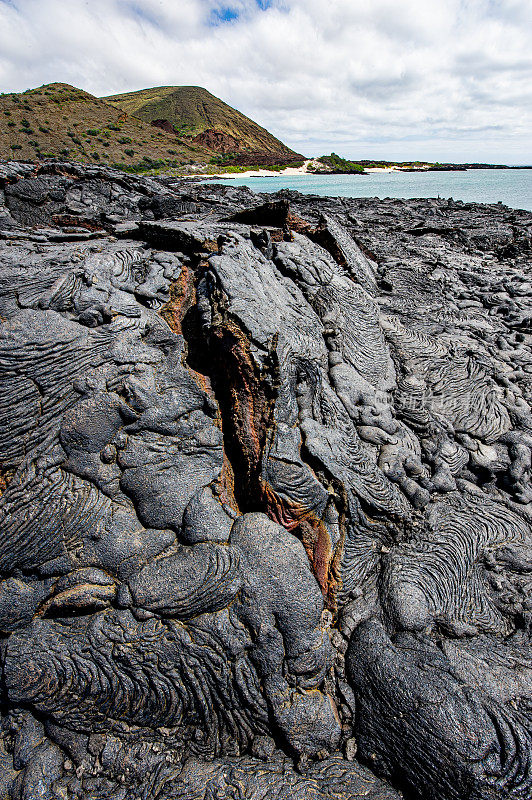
(440, 79)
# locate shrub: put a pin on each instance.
(16, 147)
(129, 152)
(113, 127)
(341, 165)
(10, 124)
(126, 140)
(43, 130)
(95, 156)
(92, 132)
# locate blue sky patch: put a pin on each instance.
(230, 13)
(222, 15)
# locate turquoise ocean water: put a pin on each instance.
(513, 187)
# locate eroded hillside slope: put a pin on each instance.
(207, 121)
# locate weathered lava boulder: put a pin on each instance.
(265, 500)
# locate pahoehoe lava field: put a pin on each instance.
(265, 500)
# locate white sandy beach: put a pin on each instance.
(264, 173)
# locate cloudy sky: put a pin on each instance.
(397, 79)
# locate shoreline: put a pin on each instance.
(294, 171)
(509, 187)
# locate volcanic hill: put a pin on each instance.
(62, 121)
(195, 113)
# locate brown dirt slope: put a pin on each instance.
(60, 120)
(205, 119)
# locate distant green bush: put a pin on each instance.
(129, 152)
(125, 140)
(92, 132)
(16, 147)
(341, 165)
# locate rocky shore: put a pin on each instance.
(265, 500)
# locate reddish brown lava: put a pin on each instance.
(182, 298)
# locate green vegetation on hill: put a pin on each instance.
(334, 163)
(198, 115)
(58, 120)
